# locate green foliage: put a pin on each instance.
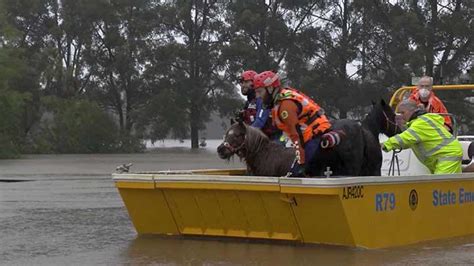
(10, 66)
(80, 126)
(157, 126)
(12, 106)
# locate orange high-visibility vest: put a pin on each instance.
(311, 118)
(435, 105)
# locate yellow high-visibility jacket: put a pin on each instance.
(432, 144)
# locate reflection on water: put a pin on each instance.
(230, 251)
(71, 214)
(165, 250)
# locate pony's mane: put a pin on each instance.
(255, 138)
(265, 157)
(375, 119)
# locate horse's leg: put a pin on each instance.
(353, 155)
(349, 165)
(358, 163)
(354, 168)
(372, 155)
(330, 159)
(249, 171)
(318, 165)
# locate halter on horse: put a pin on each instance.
(232, 149)
(381, 119)
(390, 123)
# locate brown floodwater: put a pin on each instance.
(65, 210)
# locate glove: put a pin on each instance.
(239, 116)
(382, 145)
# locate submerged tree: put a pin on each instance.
(118, 57)
(195, 35)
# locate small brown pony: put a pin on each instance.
(262, 156)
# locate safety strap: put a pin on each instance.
(311, 118)
(394, 162)
(300, 135)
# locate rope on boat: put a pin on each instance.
(394, 163)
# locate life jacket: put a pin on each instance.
(434, 105)
(311, 118)
(250, 111)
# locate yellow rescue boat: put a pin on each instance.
(370, 212)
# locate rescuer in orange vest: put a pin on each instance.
(424, 95)
(297, 115)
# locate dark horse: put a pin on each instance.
(380, 120)
(358, 153)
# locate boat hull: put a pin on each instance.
(370, 212)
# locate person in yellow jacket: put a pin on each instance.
(426, 135)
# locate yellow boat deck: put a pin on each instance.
(371, 212)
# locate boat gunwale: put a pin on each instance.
(132, 177)
(290, 182)
(189, 172)
(374, 180)
(223, 179)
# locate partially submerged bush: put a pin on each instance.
(12, 106)
(79, 126)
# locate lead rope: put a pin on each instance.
(394, 162)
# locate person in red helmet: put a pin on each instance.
(249, 112)
(297, 115)
(253, 113)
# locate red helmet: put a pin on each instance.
(247, 75)
(266, 79)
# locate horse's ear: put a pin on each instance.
(373, 102)
(232, 121)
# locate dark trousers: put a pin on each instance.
(311, 149)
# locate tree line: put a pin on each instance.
(102, 75)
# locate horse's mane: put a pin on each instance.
(265, 157)
(381, 119)
(255, 138)
(371, 120)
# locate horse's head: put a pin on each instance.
(382, 119)
(243, 140)
(234, 141)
